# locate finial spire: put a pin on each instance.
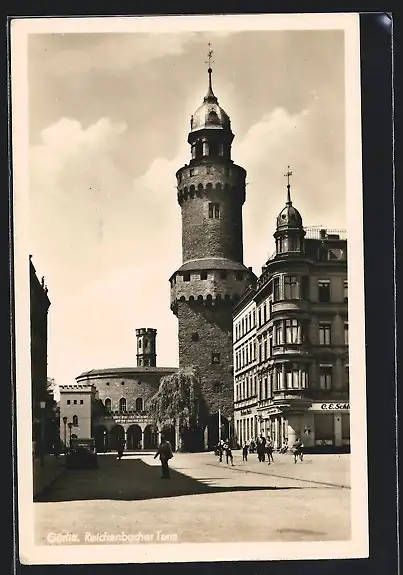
(209, 61)
(287, 175)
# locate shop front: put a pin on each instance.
(322, 426)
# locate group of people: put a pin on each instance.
(265, 448)
(224, 448)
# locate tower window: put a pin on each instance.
(108, 403)
(203, 275)
(139, 343)
(75, 421)
(214, 211)
(139, 404)
(186, 277)
(324, 291)
(215, 358)
(122, 405)
(68, 402)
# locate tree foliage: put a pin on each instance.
(176, 402)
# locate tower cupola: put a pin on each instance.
(210, 134)
(290, 232)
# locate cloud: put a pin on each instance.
(114, 52)
(277, 140)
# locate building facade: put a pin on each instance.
(122, 393)
(212, 277)
(77, 402)
(43, 406)
(301, 306)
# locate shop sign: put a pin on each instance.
(246, 411)
(330, 406)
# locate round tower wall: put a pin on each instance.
(211, 199)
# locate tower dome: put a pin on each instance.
(289, 217)
(210, 115)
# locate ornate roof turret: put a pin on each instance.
(289, 217)
(210, 115)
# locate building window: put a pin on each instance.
(139, 343)
(203, 276)
(217, 387)
(108, 403)
(292, 376)
(324, 333)
(122, 405)
(253, 318)
(346, 376)
(75, 421)
(264, 313)
(345, 291)
(68, 402)
(107, 383)
(186, 277)
(276, 289)
(291, 287)
(345, 333)
(215, 358)
(214, 211)
(122, 383)
(139, 404)
(324, 291)
(81, 402)
(279, 333)
(291, 331)
(75, 402)
(325, 377)
(259, 317)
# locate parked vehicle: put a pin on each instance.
(82, 454)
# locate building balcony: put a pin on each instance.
(288, 349)
(290, 306)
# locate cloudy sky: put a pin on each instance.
(108, 122)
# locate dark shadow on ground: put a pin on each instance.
(130, 480)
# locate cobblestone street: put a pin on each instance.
(204, 501)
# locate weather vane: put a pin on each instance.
(287, 175)
(209, 56)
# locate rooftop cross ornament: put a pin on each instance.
(287, 175)
(209, 56)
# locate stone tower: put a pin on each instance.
(211, 193)
(146, 347)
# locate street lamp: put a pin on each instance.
(43, 405)
(65, 433)
(70, 426)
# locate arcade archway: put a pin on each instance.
(117, 433)
(150, 437)
(134, 437)
(101, 438)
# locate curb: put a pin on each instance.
(336, 485)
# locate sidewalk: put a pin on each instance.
(45, 475)
(331, 470)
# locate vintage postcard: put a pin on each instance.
(189, 288)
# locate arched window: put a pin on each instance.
(75, 420)
(108, 403)
(122, 404)
(139, 404)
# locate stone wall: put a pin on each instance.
(205, 330)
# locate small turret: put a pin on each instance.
(146, 347)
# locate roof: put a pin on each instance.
(126, 370)
(212, 264)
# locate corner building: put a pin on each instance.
(301, 339)
(212, 277)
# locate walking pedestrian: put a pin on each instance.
(228, 454)
(165, 453)
(252, 447)
(120, 447)
(245, 452)
(297, 450)
(269, 451)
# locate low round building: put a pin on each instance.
(122, 395)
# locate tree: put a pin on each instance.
(176, 403)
